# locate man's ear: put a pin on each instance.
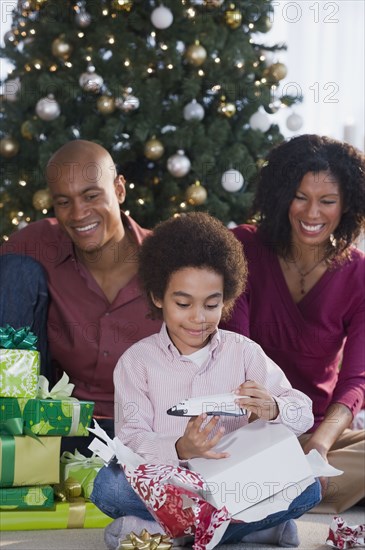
(156, 301)
(119, 186)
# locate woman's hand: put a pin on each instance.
(196, 443)
(257, 400)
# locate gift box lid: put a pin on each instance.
(264, 459)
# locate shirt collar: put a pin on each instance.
(171, 350)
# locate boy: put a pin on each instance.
(192, 269)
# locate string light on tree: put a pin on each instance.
(232, 181)
(193, 111)
(161, 17)
(294, 122)
(178, 165)
(47, 108)
(122, 5)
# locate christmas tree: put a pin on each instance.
(180, 93)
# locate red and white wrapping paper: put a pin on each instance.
(345, 536)
(171, 493)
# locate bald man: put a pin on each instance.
(88, 254)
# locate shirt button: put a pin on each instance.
(105, 353)
(107, 313)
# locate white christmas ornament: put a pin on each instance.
(47, 108)
(161, 17)
(193, 111)
(90, 81)
(128, 103)
(178, 165)
(260, 121)
(294, 122)
(232, 181)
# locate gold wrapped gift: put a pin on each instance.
(29, 461)
(145, 541)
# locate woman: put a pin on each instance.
(305, 297)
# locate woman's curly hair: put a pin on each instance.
(281, 176)
(194, 240)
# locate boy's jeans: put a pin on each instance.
(115, 497)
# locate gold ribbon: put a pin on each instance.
(70, 491)
(145, 541)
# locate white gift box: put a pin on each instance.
(265, 471)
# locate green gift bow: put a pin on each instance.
(21, 338)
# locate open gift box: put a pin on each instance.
(265, 471)
(264, 456)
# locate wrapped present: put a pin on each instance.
(19, 362)
(28, 460)
(77, 514)
(168, 492)
(21, 498)
(54, 412)
(343, 536)
(80, 468)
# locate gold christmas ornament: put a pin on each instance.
(196, 194)
(196, 54)
(9, 147)
(42, 199)
(105, 104)
(61, 48)
(153, 149)
(276, 72)
(26, 130)
(233, 18)
(226, 109)
(145, 541)
(122, 5)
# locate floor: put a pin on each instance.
(313, 530)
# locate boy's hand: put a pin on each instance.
(195, 443)
(259, 401)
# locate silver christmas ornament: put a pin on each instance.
(161, 17)
(83, 19)
(127, 103)
(232, 181)
(90, 81)
(193, 111)
(178, 165)
(294, 122)
(47, 108)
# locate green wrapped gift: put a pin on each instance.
(39, 496)
(49, 416)
(19, 362)
(19, 371)
(28, 460)
(65, 515)
(81, 469)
